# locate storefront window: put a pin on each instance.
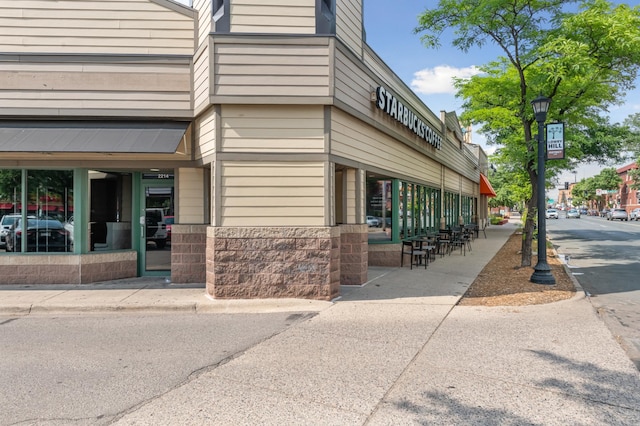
(421, 204)
(379, 209)
(51, 224)
(416, 210)
(44, 226)
(110, 195)
(468, 209)
(452, 209)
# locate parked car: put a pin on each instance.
(573, 213)
(373, 221)
(604, 213)
(169, 220)
(5, 225)
(635, 214)
(583, 211)
(551, 214)
(156, 227)
(68, 225)
(43, 235)
(620, 214)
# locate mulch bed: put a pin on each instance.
(503, 282)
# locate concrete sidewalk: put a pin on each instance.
(397, 350)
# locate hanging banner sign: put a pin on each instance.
(555, 141)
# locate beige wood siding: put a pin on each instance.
(451, 181)
(349, 24)
(95, 26)
(352, 86)
(285, 128)
(273, 16)
(468, 187)
(205, 17)
(275, 68)
(356, 141)
(205, 134)
(90, 86)
(272, 194)
(191, 198)
(356, 82)
(202, 78)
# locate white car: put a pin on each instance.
(5, 224)
(573, 213)
(620, 214)
(373, 221)
(635, 214)
(551, 214)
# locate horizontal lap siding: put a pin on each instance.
(271, 69)
(273, 16)
(349, 24)
(205, 134)
(94, 26)
(352, 86)
(204, 25)
(355, 87)
(202, 79)
(290, 129)
(190, 192)
(451, 181)
(272, 194)
(469, 187)
(91, 87)
(357, 141)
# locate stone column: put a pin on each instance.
(354, 254)
(273, 262)
(188, 253)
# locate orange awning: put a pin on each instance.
(485, 187)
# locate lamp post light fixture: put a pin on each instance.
(542, 271)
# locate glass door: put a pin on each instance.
(155, 223)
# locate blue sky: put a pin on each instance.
(428, 72)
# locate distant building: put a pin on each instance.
(626, 198)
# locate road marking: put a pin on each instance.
(577, 273)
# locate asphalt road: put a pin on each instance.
(86, 370)
(604, 256)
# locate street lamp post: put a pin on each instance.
(542, 271)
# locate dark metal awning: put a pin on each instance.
(92, 136)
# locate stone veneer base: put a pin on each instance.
(354, 252)
(67, 268)
(273, 262)
(385, 255)
(188, 253)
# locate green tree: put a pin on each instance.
(608, 180)
(512, 187)
(633, 123)
(584, 61)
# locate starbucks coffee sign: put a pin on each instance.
(388, 103)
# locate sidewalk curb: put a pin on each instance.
(192, 307)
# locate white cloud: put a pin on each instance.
(440, 79)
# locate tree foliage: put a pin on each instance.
(583, 60)
(585, 190)
(633, 123)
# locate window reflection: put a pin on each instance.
(43, 225)
(379, 209)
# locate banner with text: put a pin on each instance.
(555, 141)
